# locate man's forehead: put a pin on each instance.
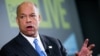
(29, 14)
(27, 5)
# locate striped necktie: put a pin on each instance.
(38, 49)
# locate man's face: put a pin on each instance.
(28, 19)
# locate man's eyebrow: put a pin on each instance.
(33, 13)
(22, 14)
(30, 14)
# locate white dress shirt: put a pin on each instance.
(31, 39)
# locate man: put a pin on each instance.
(28, 19)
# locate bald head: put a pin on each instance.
(25, 4)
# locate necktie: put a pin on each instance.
(38, 49)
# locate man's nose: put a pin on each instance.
(28, 20)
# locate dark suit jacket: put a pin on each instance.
(19, 46)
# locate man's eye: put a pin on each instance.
(32, 15)
(22, 16)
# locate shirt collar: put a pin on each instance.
(31, 39)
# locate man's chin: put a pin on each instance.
(31, 34)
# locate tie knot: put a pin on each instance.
(35, 41)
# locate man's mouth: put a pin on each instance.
(29, 27)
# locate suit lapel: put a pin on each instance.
(46, 45)
(26, 46)
(44, 42)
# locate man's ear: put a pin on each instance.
(39, 18)
(17, 20)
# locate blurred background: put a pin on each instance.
(71, 21)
